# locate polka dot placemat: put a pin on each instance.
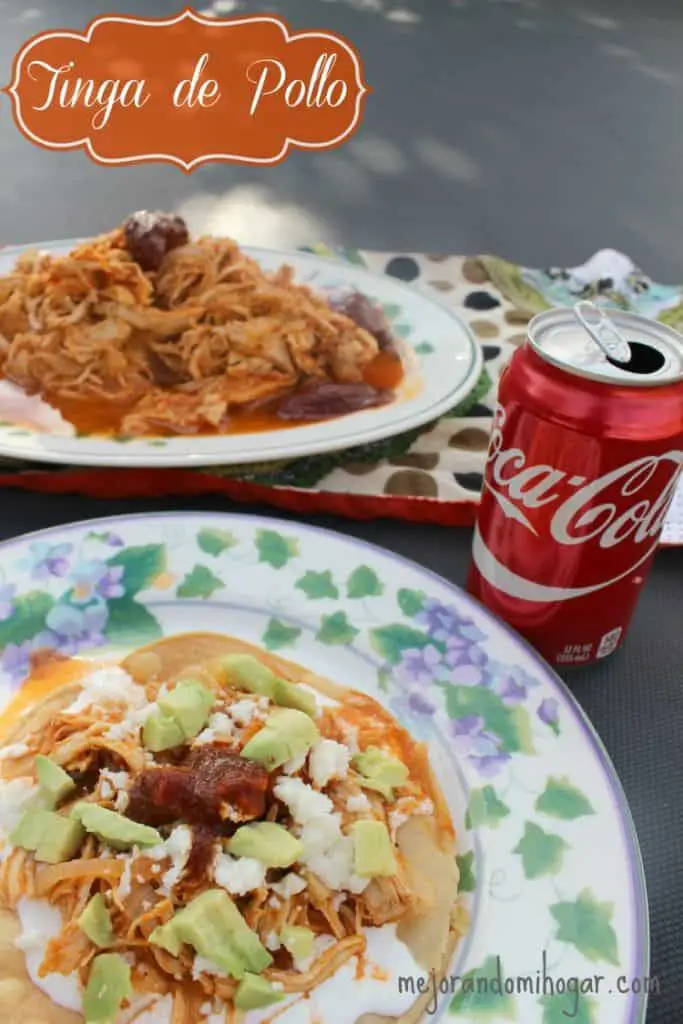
(431, 475)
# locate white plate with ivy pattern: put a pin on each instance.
(550, 868)
(442, 363)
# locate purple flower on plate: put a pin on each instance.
(16, 661)
(510, 691)
(75, 629)
(7, 592)
(110, 586)
(413, 710)
(478, 745)
(419, 664)
(46, 560)
(96, 579)
(441, 620)
(466, 660)
(113, 540)
(549, 713)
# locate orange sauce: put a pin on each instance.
(96, 417)
(43, 680)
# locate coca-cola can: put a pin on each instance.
(584, 459)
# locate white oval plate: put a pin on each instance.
(550, 867)
(443, 363)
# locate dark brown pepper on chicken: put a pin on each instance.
(211, 785)
(150, 235)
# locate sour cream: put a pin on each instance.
(32, 411)
(41, 922)
(387, 959)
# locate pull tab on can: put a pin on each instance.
(603, 332)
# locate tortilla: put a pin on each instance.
(430, 929)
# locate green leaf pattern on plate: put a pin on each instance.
(364, 582)
(200, 582)
(278, 634)
(485, 808)
(561, 799)
(274, 548)
(587, 924)
(316, 585)
(468, 880)
(215, 542)
(431, 663)
(569, 1007)
(482, 994)
(541, 852)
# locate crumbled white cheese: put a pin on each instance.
(245, 711)
(357, 803)
(132, 723)
(220, 727)
(112, 783)
(290, 885)
(178, 846)
(302, 801)
(319, 834)
(350, 737)
(328, 760)
(177, 849)
(13, 750)
(295, 764)
(124, 887)
(238, 875)
(277, 986)
(202, 965)
(334, 867)
(108, 685)
(205, 736)
(15, 796)
(274, 902)
(272, 941)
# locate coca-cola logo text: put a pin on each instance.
(609, 510)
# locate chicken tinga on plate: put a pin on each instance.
(207, 831)
(145, 332)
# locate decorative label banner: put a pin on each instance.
(187, 90)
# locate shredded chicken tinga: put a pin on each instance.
(222, 830)
(145, 332)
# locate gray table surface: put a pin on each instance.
(541, 130)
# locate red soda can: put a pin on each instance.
(585, 455)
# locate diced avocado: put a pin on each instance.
(214, 927)
(253, 993)
(62, 842)
(373, 851)
(189, 704)
(245, 672)
(380, 771)
(298, 940)
(95, 922)
(54, 782)
(268, 842)
(290, 695)
(287, 733)
(51, 837)
(161, 732)
(166, 936)
(31, 828)
(108, 986)
(113, 828)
